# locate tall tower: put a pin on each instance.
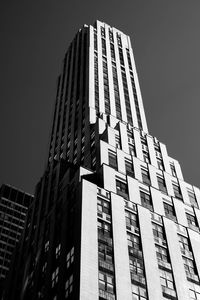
(113, 217)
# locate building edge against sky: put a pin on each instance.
(113, 217)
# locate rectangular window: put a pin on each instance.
(146, 200)
(103, 208)
(185, 246)
(145, 176)
(129, 168)
(122, 188)
(172, 167)
(177, 191)
(161, 184)
(106, 283)
(162, 254)
(131, 149)
(112, 159)
(169, 211)
(192, 223)
(192, 198)
(131, 220)
(146, 157)
(160, 164)
(167, 283)
(117, 141)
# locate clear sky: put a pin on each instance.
(34, 36)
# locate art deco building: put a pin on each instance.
(113, 217)
(14, 205)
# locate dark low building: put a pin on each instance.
(14, 205)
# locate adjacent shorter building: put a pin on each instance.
(14, 204)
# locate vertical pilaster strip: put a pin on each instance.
(176, 260)
(89, 246)
(152, 153)
(122, 271)
(138, 144)
(195, 243)
(124, 137)
(149, 253)
(133, 190)
(165, 157)
(178, 170)
(91, 68)
(137, 86)
(180, 212)
(157, 201)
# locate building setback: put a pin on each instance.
(14, 205)
(113, 217)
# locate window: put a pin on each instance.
(133, 241)
(192, 198)
(131, 220)
(162, 254)
(160, 164)
(112, 159)
(184, 244)
(136, 266)
(106, 282)
(105, 253)
(189, 266)
(58, 250)
(169, 211)
(146, 157)
(145, 176)
(54, 277)
(103, 206)
(172, 167)
(122, 188)
(177, 191)
(70, 257)
(146, 200)
(46, 246)
(117, 141)
(161, 184)
(132, 149)
(192, 223)
(139, 293)
(166, 279)
(68, 286)
(158, 231)
(129, 167)
(104, 228)
(194, 295)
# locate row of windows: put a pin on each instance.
(112, 160)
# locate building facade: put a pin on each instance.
(113, 217)
(14, 205)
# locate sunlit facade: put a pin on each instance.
(113, 217)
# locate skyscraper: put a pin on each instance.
(14, 205)
(113, 217)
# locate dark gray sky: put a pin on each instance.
(34, 35)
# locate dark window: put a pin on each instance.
(169, 211)
(145, 176)
(177, 191)
(192, 198)
(161, 184)
(173, 169)
(146, 200)
(160, 164)
(112, 159)
(131, 220)
(122, 188)
(129, 168)
(192, 223)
